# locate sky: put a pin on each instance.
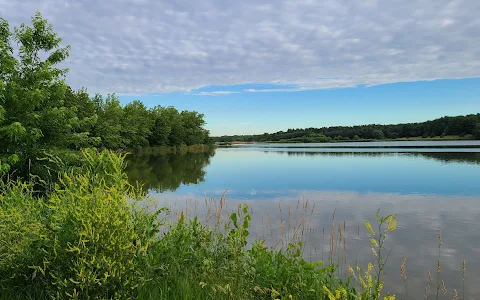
(257, 66)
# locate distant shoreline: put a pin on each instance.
(364, 143)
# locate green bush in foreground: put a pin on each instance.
(89, 238)
(83, 240)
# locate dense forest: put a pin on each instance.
(40, 112)
(467, 127)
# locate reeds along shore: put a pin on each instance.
(293, 224)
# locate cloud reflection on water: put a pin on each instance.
(420, 218)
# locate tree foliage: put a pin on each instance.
(39, 111)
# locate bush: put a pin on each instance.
(82, 240)
(23, 235)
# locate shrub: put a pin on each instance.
(82, 240)
(23, 234)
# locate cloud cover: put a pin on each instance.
(142, 46)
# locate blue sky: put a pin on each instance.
(246, 112)
(265, 65)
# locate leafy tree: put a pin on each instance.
(109, 124)
(174, 122)
(32, 90)
(160, 129)
(476, 132)
(378, 134)
(193, 123)
(85, 120)
(136, 124)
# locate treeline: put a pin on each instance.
(39, 111)
(467, 127)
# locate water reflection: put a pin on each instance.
(167, 171)
(247, 171)
(420, 218)
(446, 157)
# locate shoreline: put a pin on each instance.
(373, 147)
(374, 144)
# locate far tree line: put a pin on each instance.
(467, 127)
(39, 111)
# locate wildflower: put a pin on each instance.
(369, 227)
(362, 282)
(329, 294)
(391, 223)
(350, 270)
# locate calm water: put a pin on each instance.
(432, 191)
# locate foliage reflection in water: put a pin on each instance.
(162, 172)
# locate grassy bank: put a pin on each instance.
(95, 236)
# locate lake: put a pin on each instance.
(430, 190)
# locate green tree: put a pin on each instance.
(476, 131)
(174, 122)
(378, 134)
(136, 124)
(192, 123)
(109, 124)
(85, 120)
(161, 128)
(34, 114)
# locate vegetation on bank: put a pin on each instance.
(40, 112)
(445, 128)
(95, 236)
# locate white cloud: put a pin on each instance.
(215, 93)
(143, 46)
